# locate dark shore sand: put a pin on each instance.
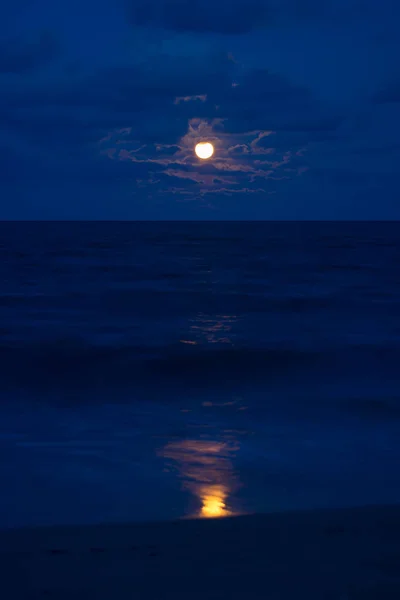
(351, 554)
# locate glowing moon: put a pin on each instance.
(204, 150)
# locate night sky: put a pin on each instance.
(102, 103)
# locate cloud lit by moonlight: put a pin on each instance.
(204, 150)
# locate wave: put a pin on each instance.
(74, 362)
(157, 296)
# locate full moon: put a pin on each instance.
(204, 150)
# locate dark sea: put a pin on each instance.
(153, 371)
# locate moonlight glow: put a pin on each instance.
(204, 150)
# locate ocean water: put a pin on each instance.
(167, 370)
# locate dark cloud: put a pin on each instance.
(389, 94)
(198, 16)
(244, 16)
(268, 101)
(20, 56)
(142, 97)
(281, 140)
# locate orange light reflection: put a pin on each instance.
(213, 502)
(214, 329)
(206, 471)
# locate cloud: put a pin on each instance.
(134, 128)
(243, 16)
(139, 125)
(21, 56)
(197, 16)
(262, 100)
(143, 96)
(389, 94)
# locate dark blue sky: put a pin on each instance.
(102, 103)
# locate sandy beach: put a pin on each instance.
(351, 554)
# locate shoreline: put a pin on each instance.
(326, 554)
